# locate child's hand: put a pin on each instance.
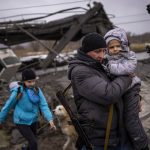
(52, 125)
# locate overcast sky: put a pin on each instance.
(128, 14)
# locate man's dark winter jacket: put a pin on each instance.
(132, 121)
(93, 93)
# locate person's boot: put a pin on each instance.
(24, 147)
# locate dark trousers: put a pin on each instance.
(29, 132)
(125, 147)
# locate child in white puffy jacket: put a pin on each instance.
(122, 61)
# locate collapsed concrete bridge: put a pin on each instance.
(63, 30)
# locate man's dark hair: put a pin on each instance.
(148, 8)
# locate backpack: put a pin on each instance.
(20, 93)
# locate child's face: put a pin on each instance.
(29, 83)
(114, 47)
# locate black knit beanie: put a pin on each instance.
(28, 74)
(92, 41)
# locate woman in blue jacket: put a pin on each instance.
(27, 107)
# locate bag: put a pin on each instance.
(37, 98)
(19, 93)
(32, 94)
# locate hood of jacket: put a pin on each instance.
(82, 59)
(120, 35)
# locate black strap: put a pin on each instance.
(19, 93)
(67, 88)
